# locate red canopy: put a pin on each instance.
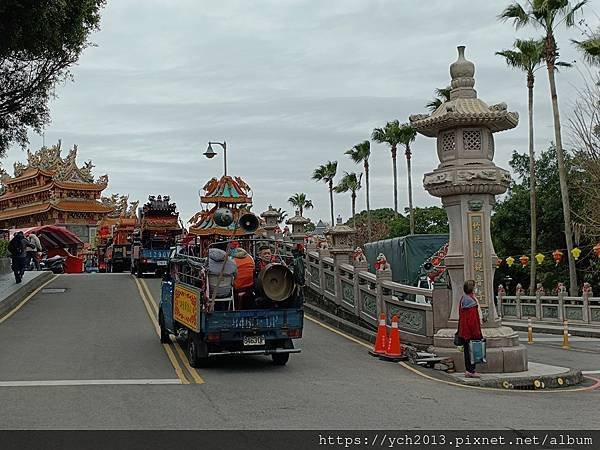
(52, 236)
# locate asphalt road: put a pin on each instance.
(99, 331)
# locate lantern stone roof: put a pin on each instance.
(464, 108)
(297, 220)
(271, 212)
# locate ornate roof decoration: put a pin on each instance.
(49, 161)
(61, 205)
(159, 206)
(226, 190)
(121, 205)
(464, 108)
(203, 224)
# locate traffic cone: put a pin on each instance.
(393, 352)
(381, 339)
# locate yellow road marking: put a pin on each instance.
(168, 350)
(16, 308)
(451, 383)
(195, 374)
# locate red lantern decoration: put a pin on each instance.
(436, 260)
(597, 249)
(557, 255)
(524, 260)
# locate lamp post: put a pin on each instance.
(210, 153)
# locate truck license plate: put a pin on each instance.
(161, 263)
(254, 340)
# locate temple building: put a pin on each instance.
(52, 190)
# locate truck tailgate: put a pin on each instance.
(252, 320)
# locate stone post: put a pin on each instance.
(467, 181)
(298, 224)
(341, 250)
(270, 216)
(381, 293)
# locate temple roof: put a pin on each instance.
(464, 108)
(62, 205)
(226, 190)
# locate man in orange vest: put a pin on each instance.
(243, 285)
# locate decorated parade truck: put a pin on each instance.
(158, 229)
(118, 250)
(203, 310)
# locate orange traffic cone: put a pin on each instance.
(381, 339)
(393, 351)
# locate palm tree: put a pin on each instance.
(442, 95)
(590, 47)
(350, 182)
(527, 56)
(360, 154)
(407, 136)
(326, 173)
(390, 134)
(300, 201)
(548, 15)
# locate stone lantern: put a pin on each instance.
(298, 224)
(342, 239)
(467, 181)
(270, 216)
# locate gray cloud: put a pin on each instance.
(289, 84)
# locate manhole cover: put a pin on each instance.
(53, 291)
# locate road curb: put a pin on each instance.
(562, 380)
(341, 324)
(13, 299)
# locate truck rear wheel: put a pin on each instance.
(197, 350)
(281, 359)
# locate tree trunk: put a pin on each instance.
(532, 183)
(301, 211)
(395, 180)
(368, 203)
(410, 201)
(354, 216)
(331, 201)
(562, 174)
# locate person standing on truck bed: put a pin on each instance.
(243, 285)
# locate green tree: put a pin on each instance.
(407, 136)
(430, 220)
(326, 173)
(527, 56)
(442, 95)
(590, 47)
(41, 41)
(548, 15)
(360, 153)
(350, 182)
(300, 201)
(390, 134)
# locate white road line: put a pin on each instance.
(589, 372)
(86, 382)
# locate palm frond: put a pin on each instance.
(516, 14)
(433, 104)
(572, 12)
(590, 48)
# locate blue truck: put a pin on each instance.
(186, 311)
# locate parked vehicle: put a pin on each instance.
(56, 264)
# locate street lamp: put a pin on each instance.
(210, 153)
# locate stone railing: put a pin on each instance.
(366, 295)
(583, 310)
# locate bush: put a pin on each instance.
(3, 248)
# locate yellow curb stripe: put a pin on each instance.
(16, 308)
(193, 372)
(451, 383)
(168, 350)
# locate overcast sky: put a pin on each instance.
(289, 84)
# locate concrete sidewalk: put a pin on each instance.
(12, 293)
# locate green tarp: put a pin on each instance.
(405, 254)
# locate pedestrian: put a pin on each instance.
(17, 248)
(469, 324)
(34, 248)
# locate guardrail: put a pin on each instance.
(543, 308)
(366, 295)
